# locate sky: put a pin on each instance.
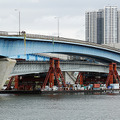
(41, 16)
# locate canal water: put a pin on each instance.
(60, 107)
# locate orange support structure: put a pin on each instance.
(51, 78)
(9, 84)
(113, 74)
(54, 71)
(79, 78)
(16, 82)
(57, 66)
(59, 72)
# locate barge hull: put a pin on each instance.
(52, 92)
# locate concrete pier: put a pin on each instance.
(6, 67)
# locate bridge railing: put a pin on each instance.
(3, 33)
(11, 33)
(75, 41)
(35, 36)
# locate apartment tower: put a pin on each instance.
(102, 26)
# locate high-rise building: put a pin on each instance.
(110, 24)
(102, 25)
(91, 26)
(118, 26)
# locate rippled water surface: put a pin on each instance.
(60, 107)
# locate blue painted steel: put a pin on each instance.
(27, 56)
(13, 46)
(31, 57)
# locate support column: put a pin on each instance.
(79, 79)
(51, 79)
(59, 72)
(9, 84)
(57, 66)
(16, 82)
(111, 73)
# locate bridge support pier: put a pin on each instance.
(16, 82)
(79, 79)
(54, 71)
(51, 77)
(112, 75)
(6, 67)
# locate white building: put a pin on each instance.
(103, 26)
(118, 26)
(91, 26)
(110, 24)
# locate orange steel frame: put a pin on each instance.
(16, 82)
(9, 84)
(113, 74)
(54, 71)
(79, 78)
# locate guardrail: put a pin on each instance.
(64, 62)
(36, 36)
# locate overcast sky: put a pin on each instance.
(38, 16)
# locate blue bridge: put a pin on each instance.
(18, 45)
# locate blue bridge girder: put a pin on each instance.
(14, 45)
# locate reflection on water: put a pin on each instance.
(77, 106)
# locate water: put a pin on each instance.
(60, 107)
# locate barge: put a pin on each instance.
(58, 91)
(54, 82)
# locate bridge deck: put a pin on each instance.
(58, 39)
(14, 45)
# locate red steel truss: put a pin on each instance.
(54, 71)
(79, 79)
(113, 74)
